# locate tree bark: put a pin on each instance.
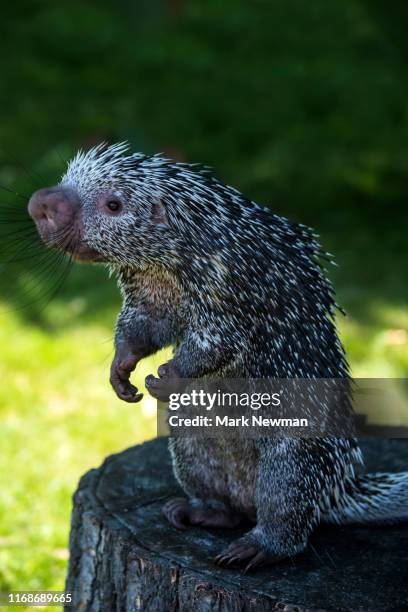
(125, 557)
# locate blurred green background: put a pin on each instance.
(302, 106)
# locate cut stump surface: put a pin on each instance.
(126, 557)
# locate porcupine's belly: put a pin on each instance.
(219, 469)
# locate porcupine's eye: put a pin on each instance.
(113, 205)
(110, 203)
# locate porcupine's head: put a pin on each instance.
(106, 209)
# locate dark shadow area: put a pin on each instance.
(303, 110)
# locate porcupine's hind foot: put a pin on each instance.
(247, 551)
(182, 513)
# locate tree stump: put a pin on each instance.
(126, 557)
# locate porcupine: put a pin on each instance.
(240, 293)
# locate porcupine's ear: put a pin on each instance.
(158, 214)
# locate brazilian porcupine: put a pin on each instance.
(240, 293)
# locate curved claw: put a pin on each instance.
(262, 558)
(167, 383)
(159, 388)
(235, 554)
(241, 551)
(155, 388)
(176, 512)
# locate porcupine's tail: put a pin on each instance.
(379, 499)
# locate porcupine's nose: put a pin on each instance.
(54, 207)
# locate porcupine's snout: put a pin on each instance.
(53, 209)
(57, 215)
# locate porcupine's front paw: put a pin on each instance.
(247, 551)
(122, 366)
(168, 382)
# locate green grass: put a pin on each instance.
(59, 418)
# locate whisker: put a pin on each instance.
(63, 161)
(57, 286)
(46, 257)
(20, 195)
(28, 256)
(33, 175)
(23, 232)
(32, 272)
(22, 238)
(30, 293)
(69, 263)
(15, 218)
(46, 264)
